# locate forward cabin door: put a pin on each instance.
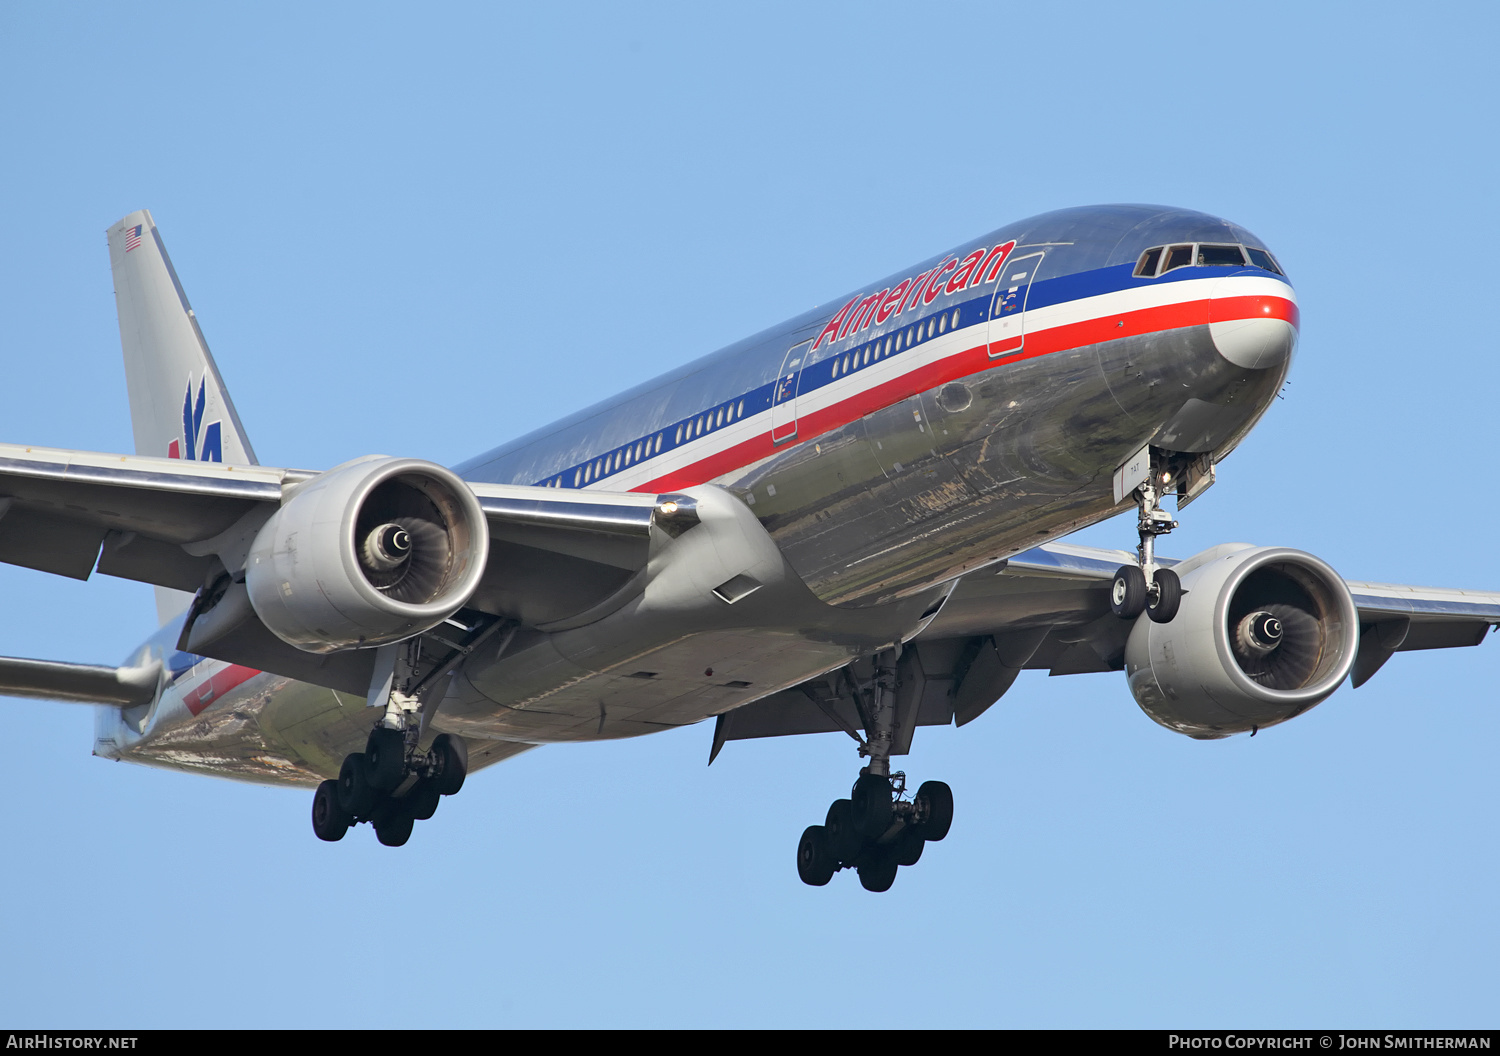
(1008, 314)
(784, 398)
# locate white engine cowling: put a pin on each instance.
(1263, 634)
(370, 552)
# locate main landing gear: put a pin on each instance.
(877, 829)
(392, 784)
(1145, 586)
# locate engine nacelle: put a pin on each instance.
(1263, 634)
(370, 552)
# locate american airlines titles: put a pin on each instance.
(981, 266)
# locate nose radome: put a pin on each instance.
(1254, 327)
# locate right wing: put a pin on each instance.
(189, 525)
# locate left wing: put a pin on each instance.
(1048, 609)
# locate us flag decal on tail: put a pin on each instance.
(133, 237)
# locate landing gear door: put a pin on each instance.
(1008, 314)
(784, 398)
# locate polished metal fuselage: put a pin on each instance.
(881, 481)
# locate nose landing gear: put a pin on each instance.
(1146, 586)
(878, 828)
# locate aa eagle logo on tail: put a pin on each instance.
(198, 443)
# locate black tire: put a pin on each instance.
(878, 871)
(870, 805)
(356, 795)
(907, 849)
(1128, 593)
(452, 757)
(330, 819)
(843, 841)
(1168, 596)
(385, 759)
(815, 865)
(393, 823)
(423, 801)
(935, 800)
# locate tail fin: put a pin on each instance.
(179, 407)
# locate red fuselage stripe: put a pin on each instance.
(976, 360)
(216, 686)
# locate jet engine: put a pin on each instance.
(370, 552)
(1263, 634)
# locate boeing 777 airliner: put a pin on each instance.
(845, 523)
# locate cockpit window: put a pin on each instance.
(1178, 257)
(1220, 256)
(1261, 259)
(1149, 259)
(1158, 260)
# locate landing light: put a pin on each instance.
(668, 508)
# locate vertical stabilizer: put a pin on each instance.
(179, 407)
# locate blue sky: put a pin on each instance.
(424, 231)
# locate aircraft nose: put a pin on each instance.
(1253, 328)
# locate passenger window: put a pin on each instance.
(659, 437)
(577, 477)
(930, 324)
(942, 324)
(719, 418)
(953, 321)
(740, 413)
(1220, 257)
(1178, 257)
(867, 353)
(887, 350)
(1261, 259)
(679, 435)
(1146, 269)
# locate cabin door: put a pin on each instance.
(1008, 314)
(784, 398)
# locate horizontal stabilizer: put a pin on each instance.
(80, 683)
